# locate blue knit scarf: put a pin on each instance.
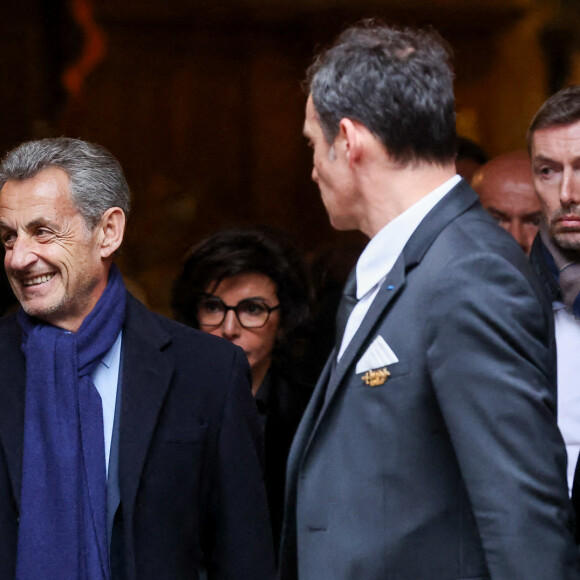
(62, 532)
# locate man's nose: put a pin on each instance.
(21, 255)
(570, 189)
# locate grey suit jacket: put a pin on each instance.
(453, 468)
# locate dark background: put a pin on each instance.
(201, 101)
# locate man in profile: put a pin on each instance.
(506, 190)
(554, 144)
(130, 445)
(430, 447)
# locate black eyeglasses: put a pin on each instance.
(251, 313)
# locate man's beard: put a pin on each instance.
(563, 239)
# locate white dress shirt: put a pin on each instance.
(106, 378)
(382, 252)
(567, 328)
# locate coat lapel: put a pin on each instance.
(547, 278)
(12, 401)
(391, 287)
(147, 373)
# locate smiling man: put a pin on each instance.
(554, 144)
(130, 444)
(57, 266)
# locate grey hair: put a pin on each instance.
(96, 179)
(397, 82)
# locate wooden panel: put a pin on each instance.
(201, 102)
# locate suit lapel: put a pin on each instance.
(460, 199)
(147, 373)
(389, 290)
(12, 401)
(543, 272)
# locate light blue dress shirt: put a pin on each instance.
(106, 378)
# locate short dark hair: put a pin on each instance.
(96, 179)
(397, 82)
(262, 250)
(561, 109)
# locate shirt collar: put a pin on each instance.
(385, 247)
(109, 357)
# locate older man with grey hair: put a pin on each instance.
(129, 444)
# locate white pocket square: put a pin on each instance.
(378, 354)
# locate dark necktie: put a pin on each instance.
(570, 285)
(345, 307)
(568, 274)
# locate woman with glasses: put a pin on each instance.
(250, 287)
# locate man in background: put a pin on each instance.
(505, 188)
(130, 444)
(430, 447)
(554, 144)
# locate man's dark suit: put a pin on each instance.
(553, 293)
(189, 454)
(453, 468)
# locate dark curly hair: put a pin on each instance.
(261, 250)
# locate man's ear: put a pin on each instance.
(111, 231)
(350, 133)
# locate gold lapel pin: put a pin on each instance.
(376, 377)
